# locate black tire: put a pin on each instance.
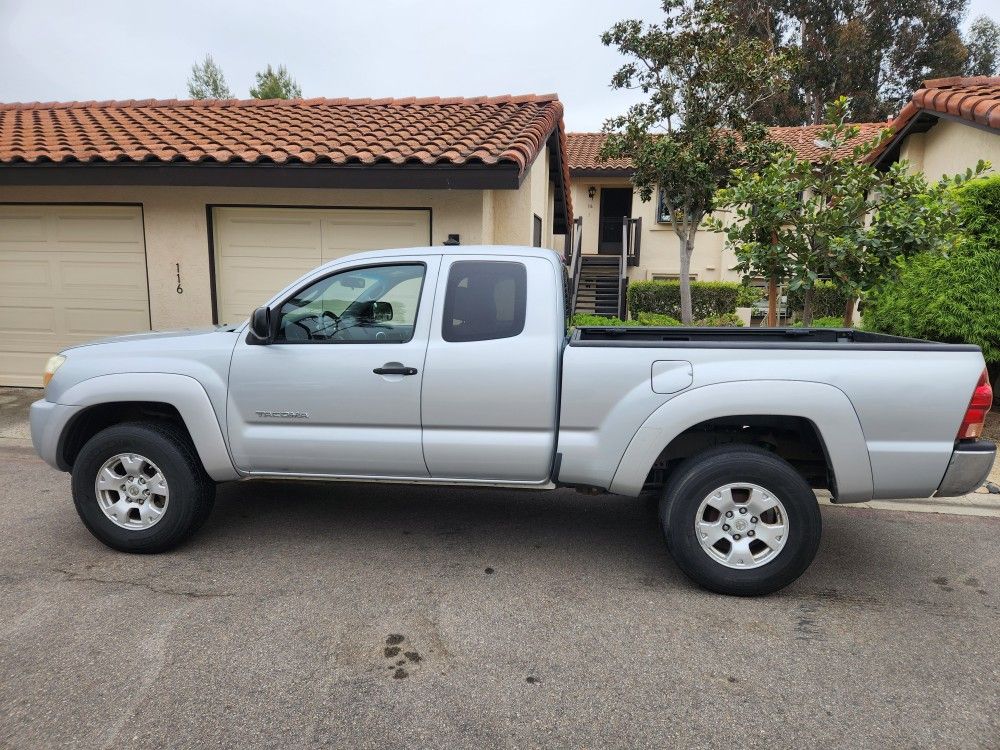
(191, 491)
(697, 477)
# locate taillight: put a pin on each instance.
(979, 406)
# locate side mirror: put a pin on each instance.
(381, 311)
(260, 325)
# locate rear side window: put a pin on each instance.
(484, 300)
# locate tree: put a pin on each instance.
(207, 81)
(983, 44)
(275, 84)
(955, 298)
(701, 80)
(838, 217)
(877, 52)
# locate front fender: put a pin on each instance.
(827, 407)
(182, 392)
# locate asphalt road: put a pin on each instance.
(352, 616)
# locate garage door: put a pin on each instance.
(260, 250)
(68, 274)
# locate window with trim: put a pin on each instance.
(671, 277)
(484, 300)
(374, 305)
(662, 212)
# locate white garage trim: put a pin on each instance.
(69, 273)
(258, 249)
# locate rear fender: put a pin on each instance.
(827, 407)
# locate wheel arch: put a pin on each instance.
(824, 407)
(112, 399)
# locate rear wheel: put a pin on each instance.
(740, 520)
(139, 487)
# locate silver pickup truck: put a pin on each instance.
(453, 366)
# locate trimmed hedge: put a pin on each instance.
(828, 301)
(583, 320)
(728, 320)
(655, 319)
(708, 298)
(954, 299)
(831, 321)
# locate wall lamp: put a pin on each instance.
(591, 192)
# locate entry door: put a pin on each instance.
(616, 204)
(338, 391)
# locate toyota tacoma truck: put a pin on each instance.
(454, 366)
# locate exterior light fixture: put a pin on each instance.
(591, 192)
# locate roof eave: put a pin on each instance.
(504, 176)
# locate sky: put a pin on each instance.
(76, 50)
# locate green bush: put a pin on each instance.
(583, 320)
(728, 320)
(664, 297)
(656, 319)
(748, 295)
(956, 298)
(828, 301)
(830, 321)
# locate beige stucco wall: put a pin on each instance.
(176, 228)
(659, 251)
(950, 147)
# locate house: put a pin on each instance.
(948, 125)
(602, 196)
(125, 216)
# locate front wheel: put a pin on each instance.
(740, 520)
(139, 487)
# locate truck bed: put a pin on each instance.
(764, 338)
(885, 409)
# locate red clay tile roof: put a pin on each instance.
(504, 129)
(802, 138)
(501, 130)
(975, 99)
(583, 148)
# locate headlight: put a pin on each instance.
(54, 363)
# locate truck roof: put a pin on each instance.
(507, 250)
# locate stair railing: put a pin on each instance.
(576, 260)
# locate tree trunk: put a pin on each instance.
(772, 302)
(849, 312)
(807, 307)
(686, 248)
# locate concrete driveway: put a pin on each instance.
(339, 616)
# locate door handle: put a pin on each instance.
(395, 370)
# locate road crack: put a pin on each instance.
(74, 577)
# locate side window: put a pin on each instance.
(484, 300)
(362, 305)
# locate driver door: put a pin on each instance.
(338, 391)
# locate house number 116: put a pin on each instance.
(180, 289)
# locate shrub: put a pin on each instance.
(830, 321)
(954, 299)
(656, 319)
(828, 301)
(748, 295)
(583, 320)
(664, 297)
(727, 320)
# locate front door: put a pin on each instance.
(338, 391)
(616, 204)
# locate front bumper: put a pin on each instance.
(48, 420)
(969, 466)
